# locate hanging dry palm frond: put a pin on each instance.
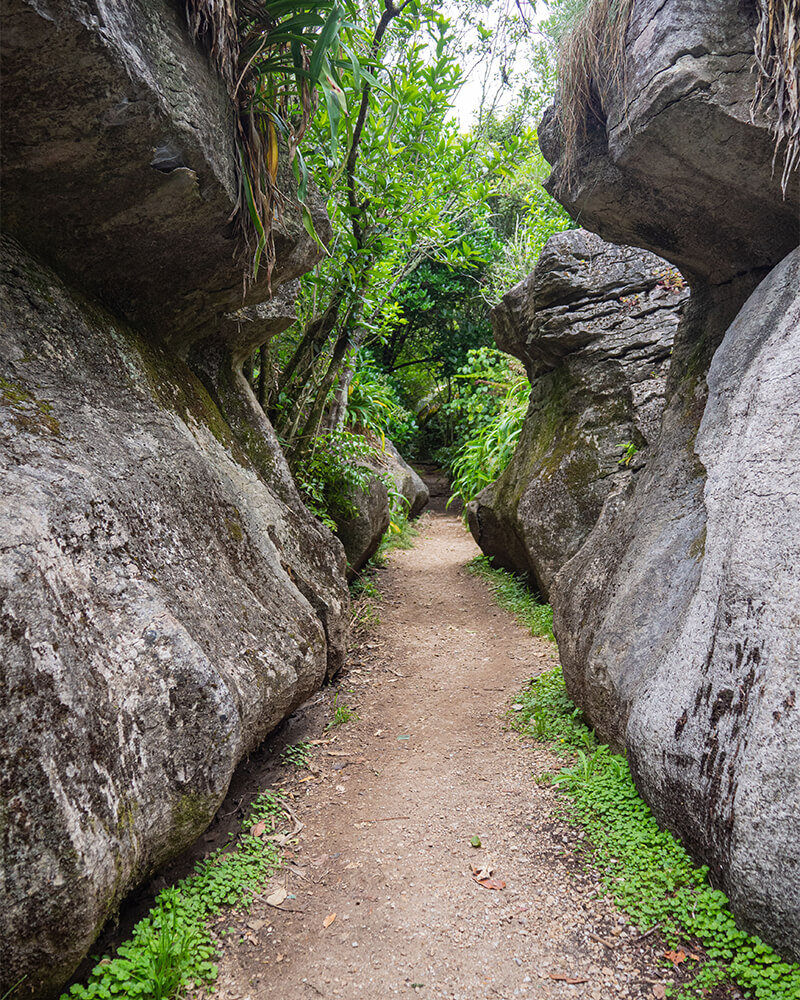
(272, 55)
(777, 50)
(591, 63)
(216, 24)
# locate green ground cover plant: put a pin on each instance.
(298, 754)
(172, 947)
(643, 868)
(511, 594)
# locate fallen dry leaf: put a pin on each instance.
(660, 991)
(258, 829)
(328, 920)
(491, 883)
(569, 980)
(676, 957)
(277, 897)
(481, 871)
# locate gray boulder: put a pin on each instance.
(118, 163)
(165, 597)
(163, 606)
(671, 159)
(594, 325)
(407, 482)
(362, 519)
(677, 618)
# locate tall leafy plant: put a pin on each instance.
(275, 56)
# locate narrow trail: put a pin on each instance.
(391, 805)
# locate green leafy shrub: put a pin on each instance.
(642, 867)
(484, 455)
(333, 470)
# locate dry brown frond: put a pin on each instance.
(777, 51)
(227, 29)
(591, 62)
(215, 23)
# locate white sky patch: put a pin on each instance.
(483, 67)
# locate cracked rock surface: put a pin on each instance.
(593, 325)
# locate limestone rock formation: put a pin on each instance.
(672, 160)
(361, 525)
(408, 483)
(118, 163)
(594, 325)
(165, 597)
(364, 519)
(677, 619)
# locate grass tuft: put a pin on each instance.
(591, 62)
(643, 868)
(342, 714)
(511, 594)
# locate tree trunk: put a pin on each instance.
(247, 368)
(266, 373)
(337, 414)
(312, 426)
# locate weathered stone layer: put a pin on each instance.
(594, 325)
(154, 613)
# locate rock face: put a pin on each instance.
(409, 485)
(673, 162)
(677, 620)
(113, 99)
(593, 325)
(165, 597)
(730, 725)
(361, 525)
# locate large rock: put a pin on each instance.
(165, 597)
(594, 325)
(363, 516)
(407, 482)
(673, 161)
(118, 163)
(163, 605)
(677, 619)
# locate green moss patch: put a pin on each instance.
(28, 413)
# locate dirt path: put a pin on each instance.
(390, 809)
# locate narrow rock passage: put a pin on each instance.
(393, 804)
